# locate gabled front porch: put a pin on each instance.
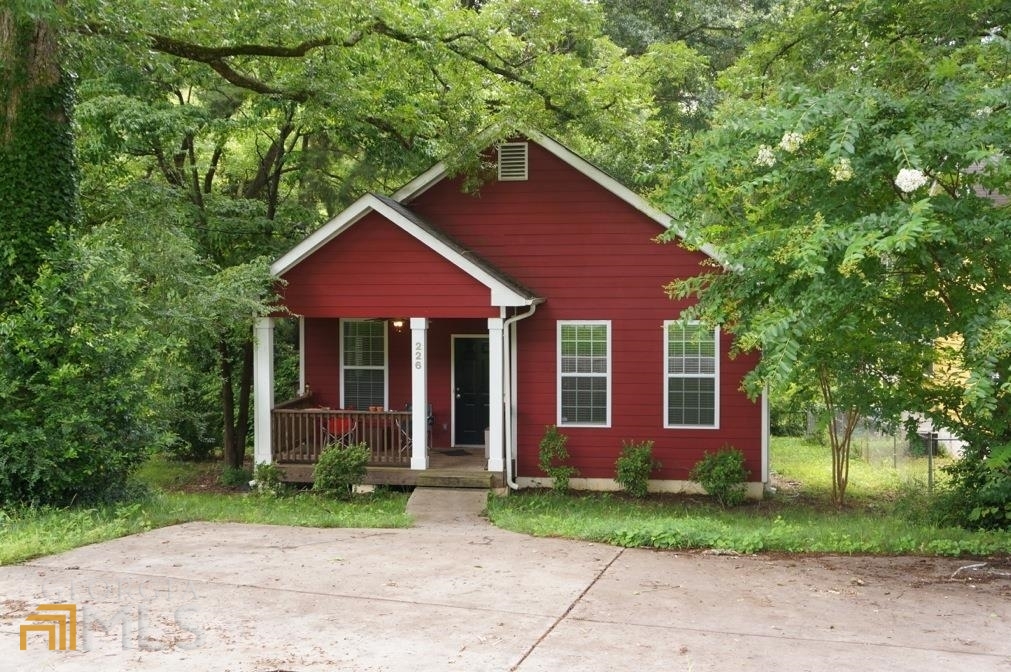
(394, 318)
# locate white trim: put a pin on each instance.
(496, 396)
(419, 393)
(452, 385)
(386, 359)
(753, 489)
(263, 388)
(421, 183)
(301, 355)
(501, 293)
(667, 375)
(766, 428)
(558, 373)
(436, 173)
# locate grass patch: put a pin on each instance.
(173, 497)
(797, 460)
(888, 514)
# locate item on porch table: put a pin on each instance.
(339, 429)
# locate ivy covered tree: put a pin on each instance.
(855, 181)
(38, 175)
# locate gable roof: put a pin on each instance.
(504, 290)
(439, 171)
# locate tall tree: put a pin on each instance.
(855, 183)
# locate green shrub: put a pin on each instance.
(268, 479)
(723, 475)
(552, 457)
(79, 407)
(339, 469)
(234, 476)
(978, 495)
(633, 467)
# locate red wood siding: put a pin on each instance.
(592, 257)
(375, 269)
(322, 361)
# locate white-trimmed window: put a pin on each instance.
(584, 373)
(691, 375)
(363, 364)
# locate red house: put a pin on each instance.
(439, 322)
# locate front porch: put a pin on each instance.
(353, 372)
(300, 430)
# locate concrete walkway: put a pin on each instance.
(442, 507)
(457, 593)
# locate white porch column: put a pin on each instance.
(419, 393)
(496, 398)
(263, 387)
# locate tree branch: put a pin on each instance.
(218, 58)
(197, 52)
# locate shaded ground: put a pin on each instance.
(455, 593)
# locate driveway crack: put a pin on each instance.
(568, 610)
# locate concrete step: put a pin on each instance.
(444, 478)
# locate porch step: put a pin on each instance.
(446, 478)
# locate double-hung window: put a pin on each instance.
(363, 363)
(691, 374)
(584, 373)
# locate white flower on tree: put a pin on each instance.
(791, 142)
(765, 156)
(841, 170)
(910, 179)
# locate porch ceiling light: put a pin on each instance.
(398, 324)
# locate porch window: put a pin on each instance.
(584, 373)
(691, 392)
(363, 363)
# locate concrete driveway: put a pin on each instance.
(456, 593)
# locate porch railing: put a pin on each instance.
(300, 434)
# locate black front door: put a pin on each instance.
(470, 380)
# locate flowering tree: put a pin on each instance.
(854, 180)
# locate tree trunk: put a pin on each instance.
(840, 438)
(235, 414)
(231, 454)
(245, 393)
(38, 183)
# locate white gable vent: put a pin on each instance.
(512, 161)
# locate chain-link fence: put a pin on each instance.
(895, 448)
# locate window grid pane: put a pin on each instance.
(364, 344)
(584, 400)
(364, 388)
(691, 401)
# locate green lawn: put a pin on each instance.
(885, 514)
(27, 533)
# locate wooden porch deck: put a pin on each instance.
(301, 431)
(461, 468)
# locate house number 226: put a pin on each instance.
(417, 355)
